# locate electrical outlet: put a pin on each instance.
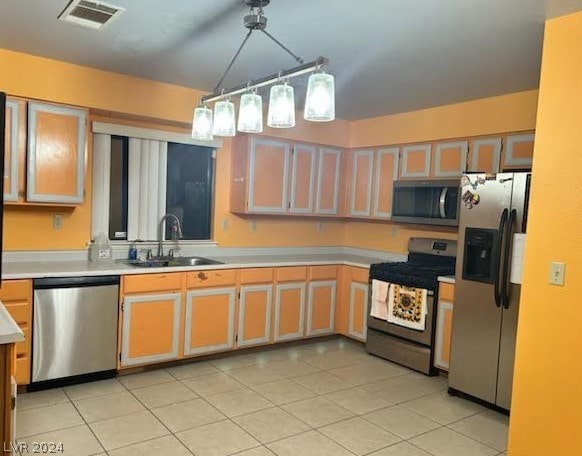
(57, 221)
(319, 226)
(224, 224)
(556, 274)
(253, 225)
(394, 231)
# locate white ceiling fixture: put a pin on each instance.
(319, 104)
(94, 15)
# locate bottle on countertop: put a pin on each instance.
(100, 248)
(132, 255)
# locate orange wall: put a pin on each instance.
(31, 228)
(502, 114)
(547, 392)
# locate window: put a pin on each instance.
(140, 194)
(189, 188)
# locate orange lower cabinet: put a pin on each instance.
(289, 311)
(254, 319)
(444, 327)
(209, 325)
(151, 328)
(358, 310)
(321, 307)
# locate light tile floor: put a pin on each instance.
(321, 398)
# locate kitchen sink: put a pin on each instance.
(162, 262)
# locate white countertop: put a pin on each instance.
(34, 270)
(447, 279)
(9, 330)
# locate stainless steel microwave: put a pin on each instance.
(428, 202)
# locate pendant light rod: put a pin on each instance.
(248, 35)
(305, 68)
(285, 48)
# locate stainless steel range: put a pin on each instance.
(427, 260)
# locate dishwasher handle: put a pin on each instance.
(75, 282)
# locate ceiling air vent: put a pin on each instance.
(90, 14)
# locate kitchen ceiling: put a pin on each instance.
(388, 56)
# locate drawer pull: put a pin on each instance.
(202, 276)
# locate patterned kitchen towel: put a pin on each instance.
(407, 307)
(379, 299)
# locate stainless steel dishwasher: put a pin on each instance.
(74, 336)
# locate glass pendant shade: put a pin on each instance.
(202, 124)
(320, 100)
(281, 107)
(250, 114)
(224, 124)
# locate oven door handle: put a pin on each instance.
(442, 202)
(497, 288)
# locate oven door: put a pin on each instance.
(419, 337)
(432, 202)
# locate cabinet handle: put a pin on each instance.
(202, 276)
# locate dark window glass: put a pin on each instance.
(189, 189)
(118, 192)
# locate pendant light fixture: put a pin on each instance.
(224, 119)
(202, 124)
(281, 107)
(320, 101)
(250, 113)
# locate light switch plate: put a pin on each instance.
(57, 221)
(253, 226)
(557, 272)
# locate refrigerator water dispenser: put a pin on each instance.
(481, 255)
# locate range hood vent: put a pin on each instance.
(90, 14)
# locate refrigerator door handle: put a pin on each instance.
(507, 254)
(442, 202)
(500, 234)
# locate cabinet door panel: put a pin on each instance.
(151, 326)
(268, 176)
(361, 182)
(289, 311)
(15, 140)
(358, 310)
(443, 335)
(328, 181)
(209, 325)
(56, 154)
(254, 322)
(450, 159)
(302, 179)
(386, 174)
(416, 161)
(485, 155)
(518, 151)
(321, 311)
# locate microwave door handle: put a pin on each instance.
(506, 268)
(500, 257)
(443, 201)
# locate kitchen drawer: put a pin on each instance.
(19, 311)
(15, 290)
(446, 292)
(22, 370)
(322, 272)
(144, 283)
(292, 274)
(216, 278)
(360, 275)
(256, 275)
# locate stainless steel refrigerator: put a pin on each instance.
(486, 303)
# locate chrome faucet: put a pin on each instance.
(161, 232)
